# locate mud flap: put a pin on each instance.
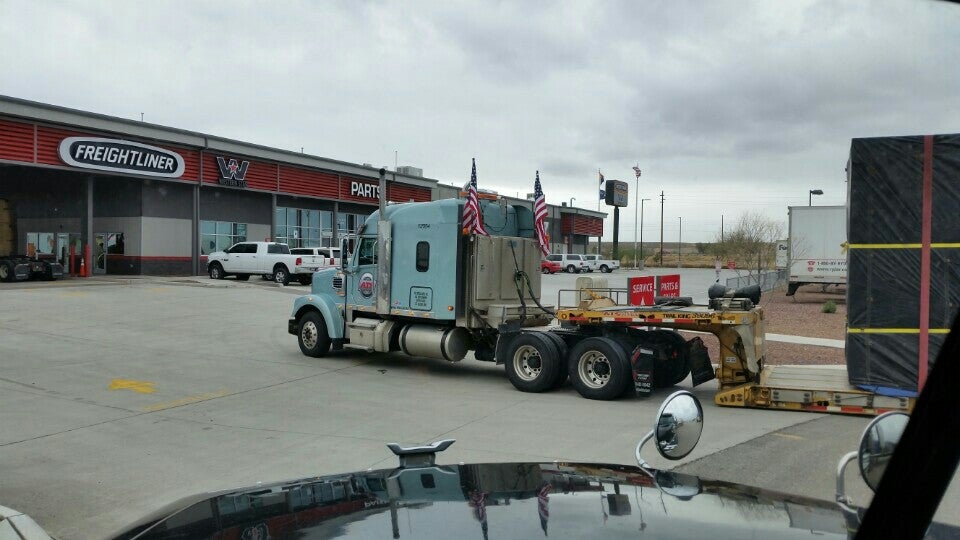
(701, 370)
(641, 364)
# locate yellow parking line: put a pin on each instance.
(185, 401)
(144, 387)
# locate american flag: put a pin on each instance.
(539, 213)
(636, 170)
(478, 500)
(472, 217)
(543, 506)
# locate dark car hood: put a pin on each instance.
(501, 500)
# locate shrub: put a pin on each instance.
(829, 307)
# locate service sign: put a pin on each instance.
(120, 156)
(641, 290)
(616, 193)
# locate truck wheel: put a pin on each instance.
(6, 271)
(604, 269)
(599, 368)
(562, 351)
(533, 362)
(280, 274)
(571, 269)
(215, 271)
(243, 277)
(312, 335)
(305, 279)
(544, 270)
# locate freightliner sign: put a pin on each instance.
(120, 156)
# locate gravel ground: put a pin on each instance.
(799, 315)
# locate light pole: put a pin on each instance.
(636, 170)
(641, 234)
(679, 242)
(812, 193)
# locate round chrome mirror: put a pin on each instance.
(877, 444)
(681, 486)
(679, 425)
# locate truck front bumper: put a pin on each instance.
(292, 326)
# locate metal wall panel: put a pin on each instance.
(16, 141)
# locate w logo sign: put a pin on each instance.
(233, 173)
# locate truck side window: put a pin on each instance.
(423, 256)
(368, 251)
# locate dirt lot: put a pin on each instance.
(800, 315)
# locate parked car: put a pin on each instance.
(597, 262)
(550, 267)
(330, 257)
(249, 258)
(571, 263)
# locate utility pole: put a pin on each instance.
(721, 228)
(641, 228)
(636, 169)
(661, 228)
(679, 243)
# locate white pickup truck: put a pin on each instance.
(603, 265)
(257, 258)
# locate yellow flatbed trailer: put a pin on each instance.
(743, 378)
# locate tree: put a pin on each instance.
(753, 241)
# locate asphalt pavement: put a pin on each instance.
(118, 398)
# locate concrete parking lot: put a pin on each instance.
(118, 398)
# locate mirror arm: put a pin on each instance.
(841, 496)
(640, 461)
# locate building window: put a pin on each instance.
(219, 235)
(299, 227)
(349, 223)
(423, 256)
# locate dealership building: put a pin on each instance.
(150, 199)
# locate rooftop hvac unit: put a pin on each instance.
(410, 171)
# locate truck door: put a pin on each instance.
(362, 285)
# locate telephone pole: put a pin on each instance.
(661, 228)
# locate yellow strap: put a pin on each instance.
(895, 330)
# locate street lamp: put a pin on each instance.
(812, 193)
(641, 237)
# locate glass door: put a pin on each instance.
(106, 245)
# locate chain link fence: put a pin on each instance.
(768, 280)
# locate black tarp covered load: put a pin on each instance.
(903, 259)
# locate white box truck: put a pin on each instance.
(818, 238)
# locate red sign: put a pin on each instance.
(732, 265)
(668, 285)
(641, 290)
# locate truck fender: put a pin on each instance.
(329, 309)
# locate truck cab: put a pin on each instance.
(415, 282)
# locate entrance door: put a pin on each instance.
(106, 244)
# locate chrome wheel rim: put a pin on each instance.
(527, 363)
(309, 334)
(594, 369)
(215, 272)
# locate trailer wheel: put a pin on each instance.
(599, 368)
(562, 351)
(312, 335)
(6, 271)
(215, 271)
(533, 362)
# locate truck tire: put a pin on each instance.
(571, 269)
(6, 271)
(533, 362)
(674, 368)
(281, 275)
(215, 271)
(562, 352)
(599, 368)
(604, 269)
(243, 277)
(312, 335)
(544, 270)
(305, 279)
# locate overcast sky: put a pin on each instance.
(726, 106)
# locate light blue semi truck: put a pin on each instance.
(411, 281)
